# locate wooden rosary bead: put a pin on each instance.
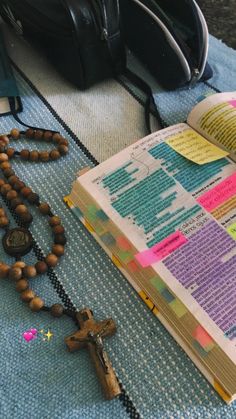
(56, 137)
(8, 172)
(64, 142)
(13, 179)
(27, 295)
(3, 157)
(63, 149)
(22, 285)
(33, 198)
(26, 218)
(4, 139)
(58, 250)
(24, 154)
(3, 222)
(10, 152)
(21, 209)
(25, 191)
(4, 270)
(11, 195)
(51, 260)
(54, 220)
(47, 135)
(15, 133)
(44, 156)
(60, 239)
(5, 189)
(38, 134)
(57, 310)
(59, 229)
(44, 208)
(41, 267)
(19, 264)
(2, 212)
(2, 182)
(5, 165)
(29, 271)
(15, 273)
(15, 202)
(18, 185)
(54, 154)
(29, 133)
(34, 155)
(36, 304)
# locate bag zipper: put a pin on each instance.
(43, 22)
(173, 43)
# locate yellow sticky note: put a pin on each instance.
(179, 309)
(194, 147)
(232, 230)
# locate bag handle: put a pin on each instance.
(112, 40)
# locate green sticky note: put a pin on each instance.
(179, 309)
(99, 229)
(232, 230)
(158, 283)
(102, 215)
(126, 257)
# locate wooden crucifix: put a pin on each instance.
(90, 335)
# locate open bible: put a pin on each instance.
(164, 210)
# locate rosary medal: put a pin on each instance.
(17, 242)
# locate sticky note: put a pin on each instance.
(108, 239)
(232, 230)
(88, 226)
(233, 103)
(146, 299)
(124, 256)
(102, 215)
(132, 265)
(77, 212)
(158, 283)
(116, 261)
(225, 396)
(68, 201)
(161, 249)
(123, 243)
(167, 295)
(179, 308)
(199, 349)
(219, 194)
(99, 229)
(196, 148)
(202, 337)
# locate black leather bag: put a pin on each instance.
(170, 37)
(80, 37)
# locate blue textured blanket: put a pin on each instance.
(40, 379)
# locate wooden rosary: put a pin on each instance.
(18, 242)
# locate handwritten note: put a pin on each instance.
(194, 147)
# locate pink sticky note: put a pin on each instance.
(123, 243)
(233, 103)
(201, 335)
(161, 250)
(219, 194)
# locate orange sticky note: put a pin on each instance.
(203, 338)
(123, 243)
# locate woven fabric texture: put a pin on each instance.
(40, 378)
